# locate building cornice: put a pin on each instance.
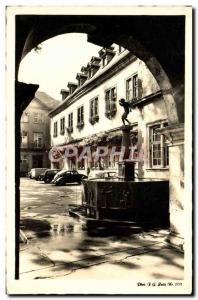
(174, 134)
(147, 99)
(89, 86)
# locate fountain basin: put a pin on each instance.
(141, 200)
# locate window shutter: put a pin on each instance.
(140, 89)
(96, 106)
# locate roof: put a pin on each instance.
(47, 100)
(124, 58)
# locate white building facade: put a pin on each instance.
(90, 114)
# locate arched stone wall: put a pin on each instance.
(156, 41)
(171, 85)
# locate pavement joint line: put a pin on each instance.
(106, 254)
(95, 264)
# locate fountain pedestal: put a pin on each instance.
(126, 168)
(126, 197)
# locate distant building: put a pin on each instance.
(35, 133)
(90, 114)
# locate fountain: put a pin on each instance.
(141, 200)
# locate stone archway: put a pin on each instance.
(103, 34)
(134, 33)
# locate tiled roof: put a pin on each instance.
(47, 100)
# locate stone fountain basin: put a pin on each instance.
(142, 200)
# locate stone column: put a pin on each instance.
(126, 167)
(175, 137)
(126, 142)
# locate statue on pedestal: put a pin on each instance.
(127, 108)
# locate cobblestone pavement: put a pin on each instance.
(69, 250)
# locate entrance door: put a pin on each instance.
(37, 161)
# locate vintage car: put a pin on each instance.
(49, 175)
(103, 174)
(64, 176)
(34, 173)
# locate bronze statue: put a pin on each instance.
(127, 108)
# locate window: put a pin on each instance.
(132, 88)
(106, 55)
(55, 129)
(36, 118)
(81, 164)
(62, 126)
(72, 87)
(25, 117)
(41, 118)
(135, 86)
(70, 122)
(82, 80)
(120, 49)
(90, 73)
(80, 117)
(110, 103)
(104, 61)
(94, 117)
(157, 148)
(38, 139)
(24, 159)
(24, 139)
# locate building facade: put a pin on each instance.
(35, 133)
(90, 114)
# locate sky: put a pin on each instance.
(58, 62)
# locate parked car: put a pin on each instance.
(34, 173)
(59, 174)
(49, 175)
(64, 177)
(40, 178)
(102, 174)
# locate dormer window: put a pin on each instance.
(120, 49)
(81, 78)
(64, 93)
(106, 54)
(72, 87)
(105, 61)
(84, 70)
(92, 69)
(95, 60)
